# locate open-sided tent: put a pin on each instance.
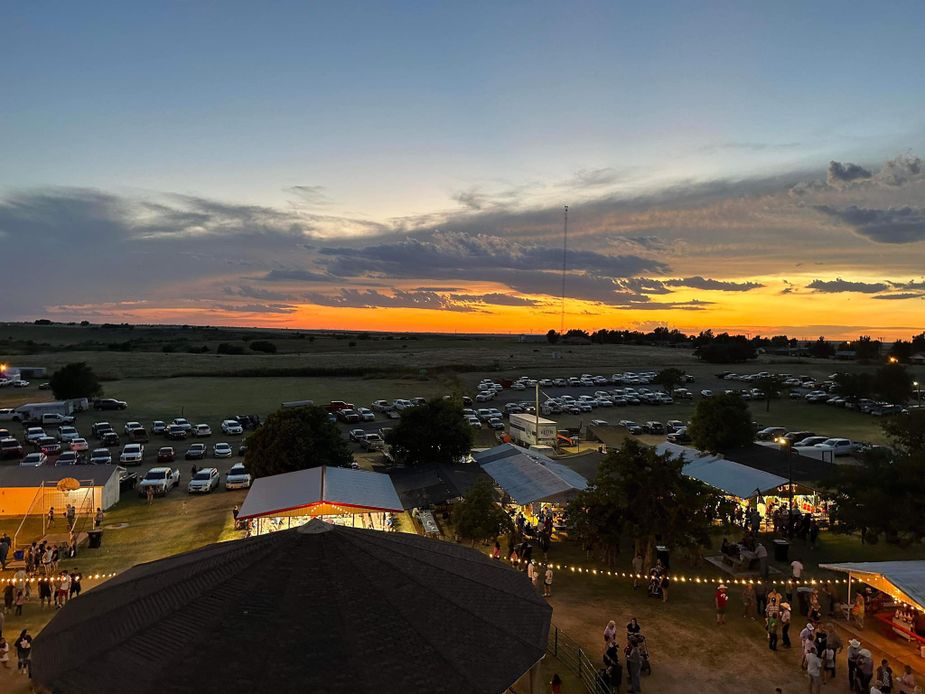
(320, 491)
(528, 476)
(320, 608)
(727, 476)
(903, 580)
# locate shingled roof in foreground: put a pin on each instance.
(321, 608)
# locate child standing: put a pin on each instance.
(828, 664)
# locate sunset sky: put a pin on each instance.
(403, 166)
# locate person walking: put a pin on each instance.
(807, 642)
(149, 493)
(785, 624)
(828, 664)
(20, 601)
(885, 677)
(854, 649)
(8, 598)
(76, 578)
(637, 569)
(720, 598)
(98, 518)
(865, 670)
(24, 652)
(633, 666)
(51, 516)
(761, 552)
(761, 598)
(547, 581)
(814, 670)
(45, 591)
(4, 653)
(774, 601)
(610, 633)
(906, 682)
(771, 625)
(748, 600)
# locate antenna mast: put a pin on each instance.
(564, 266)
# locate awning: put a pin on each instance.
(729, 477)
(904, 580)
(320, 491)
(528, 476)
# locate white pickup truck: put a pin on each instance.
(160, 479)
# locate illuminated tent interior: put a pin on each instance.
(320, 608)
(321, 491)
(902, 580)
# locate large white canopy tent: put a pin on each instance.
(529, 477)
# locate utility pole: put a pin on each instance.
(564, 266)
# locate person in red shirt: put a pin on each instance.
(721, 598)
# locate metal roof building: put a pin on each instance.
(528, 476)
(320, 491)
(728, 476)
(320, 608)
(903, 580)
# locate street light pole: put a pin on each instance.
(918, 393)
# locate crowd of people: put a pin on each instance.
(635, 655)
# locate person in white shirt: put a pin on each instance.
(814, 670)
(547, 582)
(797, 567)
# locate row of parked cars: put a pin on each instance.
(797, 440)
(162, 479)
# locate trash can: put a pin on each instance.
(95, 539)
(781, 550)
(662, 553)
(19, 555)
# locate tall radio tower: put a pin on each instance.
(564, 266)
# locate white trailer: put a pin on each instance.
(33, 411)
(530, 430)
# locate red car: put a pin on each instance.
(49, 446)
(166, 454)
(338, 405)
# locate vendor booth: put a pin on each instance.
(892, 592)
(745, 485)
(343, 496)
(536, 484)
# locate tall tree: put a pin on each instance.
(721, 422)
(854, 386)
(478, 517)
(434, 432)
(295, 439)
(893, 383)
(552, 337)
(639, 495)
(770, 388)
(669, 378)
(75, 380)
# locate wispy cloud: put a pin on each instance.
(839, 285)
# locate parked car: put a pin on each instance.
(48, 445)
(175, 432)
(770, 433)
(221, 450)
(109, 404)
(132, 454)
(34, 459)
(237, 477)
(372, 441)
(654, 428)
(56, 418)
(183, 423)
(20, 384)
(98, 428)
(110, 438)
(68, 434)
(160, 479)
(232, 427)
(202, 430)
(366, 414)
(356, 435)
(203, 481)
(381, 406)
(338, 405)
(679, 436)
(8, 414)
(496, 423)
(196, 451)
(349, 416)
(158, 427)
(166, 454)
(10, 448)
(79, 445)
(33, 434)
(810, 441)
(68, 458)
(837, 446)
(131, 426)
(101, 456)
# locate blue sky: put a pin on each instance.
(375, 117)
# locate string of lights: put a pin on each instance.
(53, 579)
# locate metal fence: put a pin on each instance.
(564, 647)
